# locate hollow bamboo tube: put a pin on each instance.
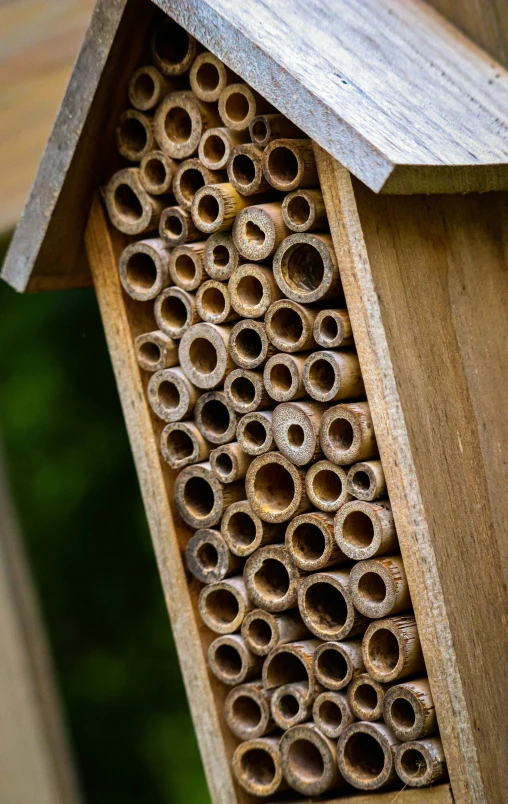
(156, 173)
(144, 268)
(220, 256)
(326, 486)
(147, 87)
(366, 754)
(379, 587)
(366, 481)
(337, 663)
(252, 289)
(289, 705)
(304, 211)
(275, 488)
(209, 77)
(171, 395)
(186, 265)
(331, 376)
(204, 355)
(182, 444)
(130, 208)
(247, 711)
(208, 557)
(201, 498)
(391, 649)
(134, 135)
(216, 146)
(245, 390)
(347, 433)
(215, 418)
(366, 698)
(245, 171)
(306, 269)
(263, 631)
(267, 127)
(189, 177)
(224, 604)
(324, 601)
(420, 763)
(291, 663)
(173, 49)
(311, 543)
(216, 206)
(332, 328)
(155, 351)
(229, 462)
(364, 530)
(271, 578)
(289, 326)
(283, 377)
(254, 432)
(176, 227)
(179, 123)
(409, 710)
(248, 345)
(213, 302)
(289, 164)
(244, 532)
(309, 760)
(238, 104)
(296, 431)
(231, 662)
(175, 311)
(257, 767)
(332, 714)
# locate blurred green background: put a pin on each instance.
(78, 501)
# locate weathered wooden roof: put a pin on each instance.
(388, 87)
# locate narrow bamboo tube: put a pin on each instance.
(171, 395)
(271, 578)
(147, 87)
(366, 481)
(189, 177)
(231, 662)
(245, 170)
(173, 49)
(155, 351)
(244, 532)
(283, 377)
(248, 345)
(257, 767)
(200, 498)
(366, 754)
(326, 486)
(275, 488)
(208, 557)
(267, 127)
(289, 164)
(216, 146)
(238, 104)
(215, 418)
(247, 711)
(304, 211)
(364, 530)
(209, 77)
(289, 326)
(254, 432)
(204, 355)
(309, 760)
(347, 433)
(130, 208)
(176, 227)
(213, 302)
(289, 705)
(326, 607)
(175, 311)
(186, 265)
(379, 587)
(409, 710)
(252, 290)
(306, 269)
(156, 173)
(134, 135)
(179, 123)
(331, 376)
(337, 663)
(332, 714)
(216, 206)
(391, 649)
(144, 268)
(263, 631)
(229, 462)
(296, 431)
(366, 698)
(182, 444)
(311, 543)
(420, 763)
(220, 256)
(245, 390)
(290, 663)
(332, 328)
(224, 604)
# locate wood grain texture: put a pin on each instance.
(484, 21)
(440, 794)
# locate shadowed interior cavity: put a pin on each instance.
(326, 606)
(171, 43)
(215, 417)
(141, 271)
(127, 203)
(203, 355)
(327, 486)
(271, 580)
(222, 606)
(383, 650)
(199, 497)
(241, 528)
(214, 149)
(298, 210)
(283, 165)
(150, 352)
(178, 125)
(372, 588)
(237, 107)
(133, 134)
(258, 767)
(308, 542)
(305, 761)
(364, 756)
(358, 529)
(179, 445)
(274, 488)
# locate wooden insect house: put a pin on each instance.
(295, 217)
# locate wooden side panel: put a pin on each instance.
(429, 795)
(484, 21)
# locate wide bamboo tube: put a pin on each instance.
(245, 390)
(391, 649)
(326, 486)
(245, 170)
(257, 767)
(331, 376)
(134, 135)
(220, 256)
(366, 481)
(239, 104)
(147, 87)
(215, 418)
(364, 530)
(259, 230)
(248, 344)
(347, 433)
(176, 227)
(186, 265)
(155, 351)
(337, 663)
(324, 601)
(213, 302)
(290, 705)
(179, 123)
(291, 663)
(296, 431)
(208, 557)
(144, 268)
(304, 211)
(283, 377)
(267, 127)
(173, 49)
(272, 579)
(200, 498)
(216, 206)
(244, 532)
(366, 754)
(224, 604)
(216, 146)
(420, 763)
(409, 710)
(175, 311)
(254, 432)
(379, 587)
(366, 698)
(332, 328)
(204, 355)
(231, 662)
(156, 173)
(306, 269)
(189, 177)
(309, 760)
(289, 164)
(182, 444)
(332, 714)
(229, 462)
(289, 326)
(209, 77)
(247, 711)
(311, 542)
(275, 488)
(263, 631)
(252, 290)
(171, 395)
(130, 208)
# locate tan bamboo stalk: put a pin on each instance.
(208, 557)
(420, 763)
(379, 587)
(332, 714)
(134, 135)
(176, 227)
(332, 328)
(247, 711)
(254, 432)
(171, 395)
(213, 302)
(216, 146)
(272, 579)
(311, 543)
(200, 498)
(147, 87)
(326, 607)
(175, 311)
(231, 662)
(186, 265)
(156, 351)
(366, 754)
(245, 390)
(366, 481)
(296, 430)
(216, 206)
(244, 532)
(409, 710)
(182, 444)
(366, 698)
(209, 77)
(173, 49)
(144, 268)
(224, 604)
(189, 177)
(245, 171)
(289, 326)
(259, 230)
(287, 664)
(220, 256)
(130, 208)
(309, 760)
(364, 530)
(179, 123)
(204, 355)
(326, 486)
(252, 290)
(248, 345)
(289, 164)
(215, 418)
(263, 631)
(347, 433)
(289, 705)
(283, 377)
(275, 488)
(337, 663)
(229, 462)
(391, 649)
(257, 767)
(267, 127)
(304, 211)
(306, 269)
(238, 104)
(156, 173)
(331, 376)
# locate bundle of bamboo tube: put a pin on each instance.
(253, 370)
